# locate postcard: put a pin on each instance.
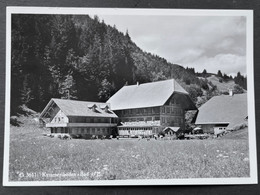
(113, 96)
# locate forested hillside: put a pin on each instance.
(77, 57)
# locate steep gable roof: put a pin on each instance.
(145, 95)
(221, 109)
(80, 108)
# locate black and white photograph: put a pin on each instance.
(112, 96)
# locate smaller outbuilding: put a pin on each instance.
(224, 112)
(172, 132)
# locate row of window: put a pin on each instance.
(59, 130)
(138, 111)
(171, 110)
(140, 119)
(135, 132)
(92, 120)
(90, 130)
(135, 128)
(172, 120)
(85, 130)
(147, 111)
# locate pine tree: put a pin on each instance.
(67, 87)
(106, 90)
(220, 74)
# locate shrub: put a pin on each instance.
(14, 121)
(240, 126)
(187, 81)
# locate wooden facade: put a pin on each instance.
(152, 120)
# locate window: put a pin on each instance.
(163, 109)
(149, 119)
(163, 119)
(155, 110)
(157, 118)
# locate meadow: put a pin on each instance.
(34, 157)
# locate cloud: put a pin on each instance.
(227, 63)
(202, 42)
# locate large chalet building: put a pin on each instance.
(80, 118)
(151, 108)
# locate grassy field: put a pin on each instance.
(34, 157)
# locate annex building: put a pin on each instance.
(151, 108)
(80, 118)
(224, 112)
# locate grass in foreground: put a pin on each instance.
(34, 157)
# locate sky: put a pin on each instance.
(203, 42)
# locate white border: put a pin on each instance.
(119, 11)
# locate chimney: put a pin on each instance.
(137, 83)
(126, 83)
(230, 92)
